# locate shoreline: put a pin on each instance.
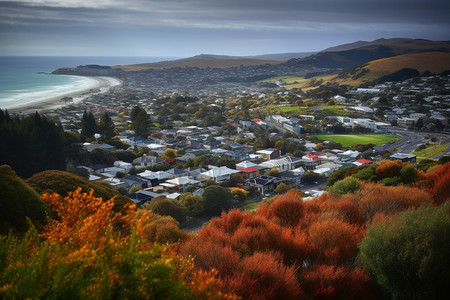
(103, 83)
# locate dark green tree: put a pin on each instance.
(141, 124)
(216, 199)
(88, 125)
(169, 207)
(408, 255)
(106, 127)
(32, 144)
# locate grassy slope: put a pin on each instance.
(431, 151)
(202, 61)
(351, 140)
(435, 62)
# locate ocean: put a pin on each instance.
(27, 79)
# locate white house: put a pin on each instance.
(219, 174)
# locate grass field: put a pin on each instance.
(430, 151)
(293, 109)
(353, 139)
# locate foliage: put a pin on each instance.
(63, 182)
(19, 201)
(346, 186)
(83, 255)
(194, 203)
(169, 207)
(238, 194)
(407, 254)
(282, 188)
(216, 199)
(32, 144)
(140, 122)
(274, 172)
(310, 176)
(106, 127)
(88, 125)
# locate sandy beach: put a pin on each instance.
(104, 83)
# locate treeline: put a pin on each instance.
(31, 144)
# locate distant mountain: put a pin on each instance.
(397, 42)
(352, 55)
(284, 56)
(395, 68)
(203, 61)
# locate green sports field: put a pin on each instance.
(353, 139)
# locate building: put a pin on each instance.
(403, 157)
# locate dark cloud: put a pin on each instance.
(293, 25)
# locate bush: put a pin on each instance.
(408, 255)
(347, 186)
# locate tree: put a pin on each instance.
(408, 255)
(274, 172)
(19, 201)
(346, 186)
(88, 125)
(282, 188)
(106, 127)
(141, 124)
(217, 199)
(310, 176)
(169, 207)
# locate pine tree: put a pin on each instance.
(106, 127)
(88, 125)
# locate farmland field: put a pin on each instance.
(353, 139)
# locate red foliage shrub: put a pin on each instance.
(334, 241)
(389, 168)
(263, 276)
(336, 282)
(437, 183)
(377, 198)
(287, 209)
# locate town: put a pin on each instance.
(254, 139)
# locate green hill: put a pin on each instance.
(202, 61)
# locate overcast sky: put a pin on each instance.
(185, 28)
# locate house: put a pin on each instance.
(142, 197)
(362, 161)
(184, 184)
(147, 161)
(283, 164)
(264, 183)
(269, 153)
(159, 176)
(123, 165)
(134, 181)
(116, 183)
(251, 172)
(323, 171)
(245, 164)
(219, 174)
(403, 157)
(178, 172)
(238, 155)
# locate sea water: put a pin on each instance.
(27, 79)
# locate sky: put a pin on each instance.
(183, 28)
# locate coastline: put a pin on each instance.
(104, 83)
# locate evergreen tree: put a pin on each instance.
(141, 124)
(88, 125)
(106, 127)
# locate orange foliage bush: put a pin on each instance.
(332, 282)
(334, 241)
(437, 183)
(389, 168)
(377, 198)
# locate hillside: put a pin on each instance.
(396, 42)
(434, 62)
(357, 55)
(203, 61)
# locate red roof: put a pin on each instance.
(248, 170)
(364, 161)
(256, 120)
